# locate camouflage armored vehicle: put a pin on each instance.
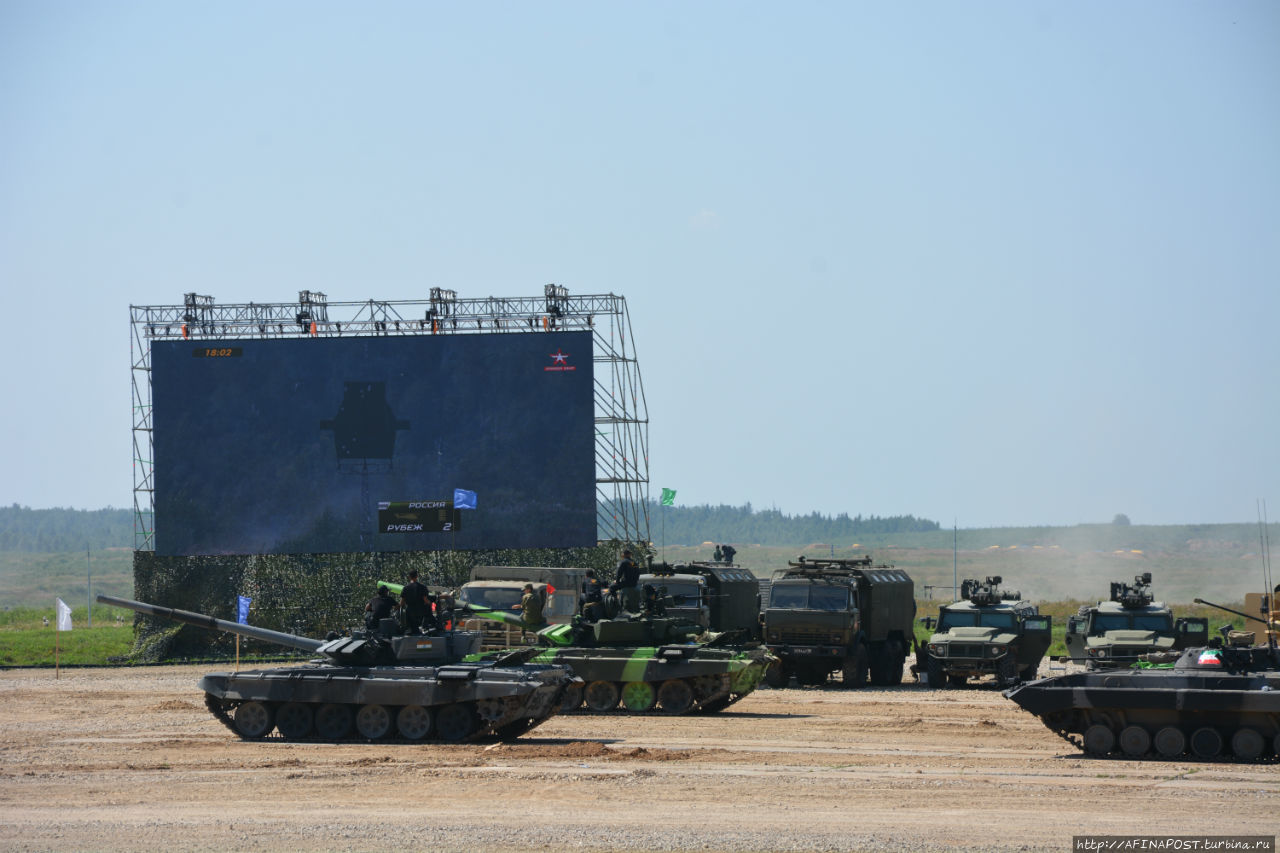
(839, 615)
(1218, 699)
(647, 661)
(373, 685)
(988, 632)
(719, 596)
(1115, 633)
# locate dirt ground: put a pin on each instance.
(130, 759)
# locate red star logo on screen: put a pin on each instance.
(559, 357)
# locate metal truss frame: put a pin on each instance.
(621, 411)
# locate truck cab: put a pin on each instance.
(1116, 633)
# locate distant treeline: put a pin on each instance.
(691, 525)
(51, 531)
(63, 530)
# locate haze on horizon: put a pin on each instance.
(1003, 265)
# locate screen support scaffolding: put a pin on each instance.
(621, 412)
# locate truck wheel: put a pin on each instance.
(894, 659)
(937, 673)
(777, 675)
(854, 671)
(1007, 670)
(1029, 673)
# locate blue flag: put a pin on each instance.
(463, 499)
(242, 609)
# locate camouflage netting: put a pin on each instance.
(305, 594)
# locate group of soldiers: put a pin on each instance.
(422, 612)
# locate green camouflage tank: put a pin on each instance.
(645, 661)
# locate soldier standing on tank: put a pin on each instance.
(379, 608)
(415, 603)
(530, 608)
(592, 600)
(625, 581)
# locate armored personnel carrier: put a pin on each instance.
(988, 632)
(374, 684)
(1218, 699)
(839, 615)
(646, 661)
(1115, 633)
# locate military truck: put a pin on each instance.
(719, 596)
(1114, 633)
(838, 615)
(989, 631)
(502, 587)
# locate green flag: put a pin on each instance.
(668, 497)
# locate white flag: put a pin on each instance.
(64, 615)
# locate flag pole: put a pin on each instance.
(57, 671)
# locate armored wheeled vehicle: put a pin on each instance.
(1214, 700)
(374, 684)
(647, 661)
(839, 615)
(990, 631)
(1116, 633)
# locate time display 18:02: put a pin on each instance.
(217, 352)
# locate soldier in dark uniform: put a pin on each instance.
(592, 598)
(415, 603)
(625, 581)
(728, 552)
(379, 608)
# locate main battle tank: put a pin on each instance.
(646, 661)
(373, 684)
(1211, 701)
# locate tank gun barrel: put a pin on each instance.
(1229, 610)
(293, 641)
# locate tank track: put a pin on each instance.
(506, 727)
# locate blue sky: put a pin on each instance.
(996, 263)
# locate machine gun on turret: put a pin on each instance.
(1135, 595)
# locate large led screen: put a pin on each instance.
(320, 445)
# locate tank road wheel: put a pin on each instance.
(333, 721)
(1170, 742)
(1099, 739)
(1206, 742)
(601, 695)
(936, 672)
(455, 722)
(373, 721)
(293, 720)
(413, 722)
(675, 696)
(1247, 745)
(253, 719)
(639, 696)
(1134, 741)
(572, 699)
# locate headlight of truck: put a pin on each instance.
(1097, 653)
(996, 651)
(938, 650)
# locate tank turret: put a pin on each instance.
(374, 685)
